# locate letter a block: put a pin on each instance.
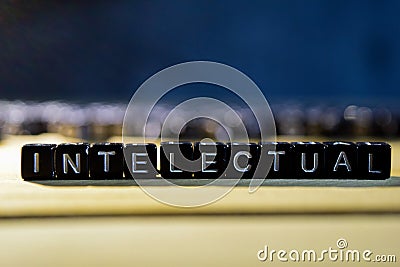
(341, 160)
(140, 161)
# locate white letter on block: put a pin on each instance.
(276, 158)
(36, 162)
(135, 162)
(68, 161)
(205, 163)
(171, 163)
(345, 162)
(370, 164)
(236, 164)
(106, 159)
(303, 163)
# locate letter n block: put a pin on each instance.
(72, 161)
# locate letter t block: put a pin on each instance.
(106, 161)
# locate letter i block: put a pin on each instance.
(209, 159)
(280, 154)
(242, 160)
(309, 160)
(140, 161)
(176, 160)
(340, 160)
(374, 160)
(72, 161)
(37, 161)
(106, 161)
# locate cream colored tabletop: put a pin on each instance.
(44, 225)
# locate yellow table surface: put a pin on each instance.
(121, 226)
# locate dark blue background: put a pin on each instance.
(332, 51)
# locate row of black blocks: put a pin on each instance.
(183, 160)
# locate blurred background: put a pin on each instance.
(328, 68)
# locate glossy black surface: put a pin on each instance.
(106, 161)
(141, 161)
(298, 160)
(78, 153)
(43, 167)
(374, 160)
(209, 159)
(280, 153)
(181, 155)
(340, 160)
(308, 159)
(242, 160)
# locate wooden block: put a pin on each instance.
(106, 161)
(176, 160)
(209, 160)
(72, 161)
(37, 161)
(140, 160)
(374, 160)
(341, 160)
(309, 160)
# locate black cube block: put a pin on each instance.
(37, 161)
(340, 160)
(309, 160)
(176, 160)
(140, 161)
(209, 159)
(72, 161)
(106, 161)
(374, 160)
(280, 154)
(242, 160)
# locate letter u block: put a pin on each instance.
(176, 160)
(309, 160)
(72, 161)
